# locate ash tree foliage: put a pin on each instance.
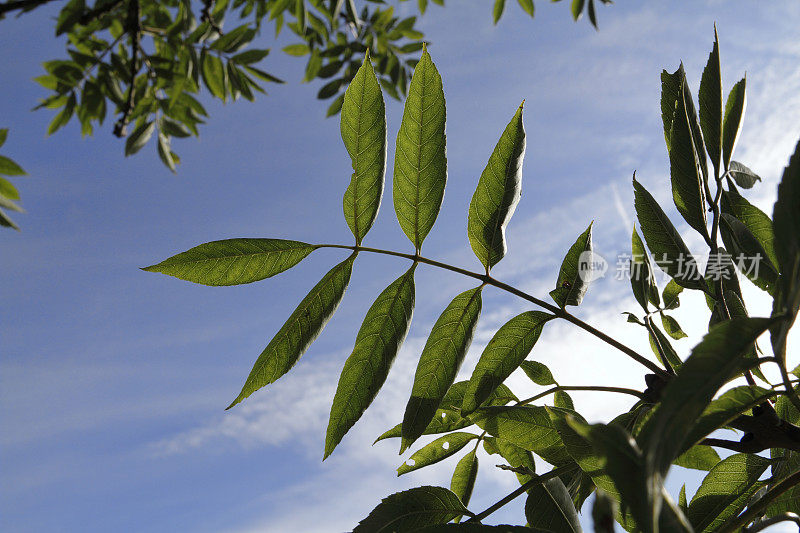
(143, 63)
(686, 398)
(8, 193)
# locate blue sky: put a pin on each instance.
(113, 381)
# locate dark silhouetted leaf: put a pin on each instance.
(550, 507)
(743, 176)
(732, 125)
(710, 104)
(574, 276)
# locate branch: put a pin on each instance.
(22, 5)
(205, 16)
(522, 489)
(758, 507)
(97, 12)
(764, 524)
(598, 388)
(488, 280)
(135, 31)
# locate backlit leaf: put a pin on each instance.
(698, 457)
(503, 354)
(537, 372)
(435, 451)
(440, 361)
(234, 261)
(748, 253)
(497, 10)
(413, 509)
(573, 280)
(420, 163)
(759, 224)
(497, 194)
(514, 455)
(363, 128)
(710, 104)
(643, 282)
(381, 334)
(300, 330)
(463, 481)
(684, 161)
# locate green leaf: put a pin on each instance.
(748, 254)
(710, 104)
(440, 361)
(671, 253)
(413, 509)
(10, 168)
(725, 491)
(363, 128)
(248, 57)
(642, 279)
(698, 458)
(63, 117)
(297, 50)
(420, 163)
(526, 426)
(786, 217)
(503, 354)
(435, 451)
(759, 224)
(670, 93)
(463, 481)
(7, 190)
(713, 362)
(743, 176)
(537, 372)
(300, 330)
(672, 327)
(497, 10)
(572, 285)
(563, 400)
(685, 174)
(455, 396)
(497, 194)
(671, 294)
(527, 6)
(139, 137)
(549, 507)
(381, 334)
(787, 462)
(515, 456)
(234, 261)
(475, 527)
(213, 73)
(3, 136)
(577, 8)
(662, 348)
(6, 221)
(734, 114)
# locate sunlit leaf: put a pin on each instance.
(420, 164)
(440, 361)
(463, 481)
(698, 457)
(234, 261)
(503, 354)
(748, 253)
(537, 372)
(759, 224)
(300, 330)
(497, 194)
(413, 509)
(712, 363)
(381, 334)
(497, 10)
(435, 451)
(725, 491)
(363, 128)
(515, 456)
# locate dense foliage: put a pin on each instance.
(144, 62)
(685, 401)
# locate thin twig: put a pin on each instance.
(135, 31)
(597, 388)
(488, 280)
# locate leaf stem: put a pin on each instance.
(522, 489)
(488, 280)
(783, 517)
(597, 388)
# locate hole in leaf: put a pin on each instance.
(446, 445)
(410, 462)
